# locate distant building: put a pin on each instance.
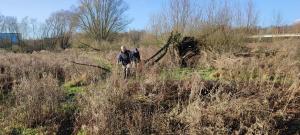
(8, 39)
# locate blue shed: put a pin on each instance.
(11, 38)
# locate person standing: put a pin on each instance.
(136, 58)
(124, 58)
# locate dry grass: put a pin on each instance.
(256, 95)
(248, 95)
(32, 88)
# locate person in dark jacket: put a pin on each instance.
(136, 58)
(125, 58)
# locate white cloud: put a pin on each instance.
(297, 21)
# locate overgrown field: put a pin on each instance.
(259, 93)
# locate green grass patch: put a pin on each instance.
(103, 62)
(24, 131)
(186, 73)
(175, 74)
(82, 132)
(72, 90)
(207, 74)
(68, 107)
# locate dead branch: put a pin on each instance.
(90, 65)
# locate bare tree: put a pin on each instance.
(31, 29)
(135, 36)
(2, 18)
(9, 24)
(159, 24)
(278, 22)
(102, 18)
(296, 27)
(59, 28)
(180, 13)
(24, 28)
(251, 16)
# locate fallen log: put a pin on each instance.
(252, 54)
(243, 54)
(181, 48)
(163, 51)
(90, 65)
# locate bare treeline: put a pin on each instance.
(8, 24)
(221, 24)
(103, 19)
(187, 16)
(59, 27)
(98, 19)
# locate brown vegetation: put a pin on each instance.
(233, 87)
(252, 95)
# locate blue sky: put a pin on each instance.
(141, 10)
(289, 9)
